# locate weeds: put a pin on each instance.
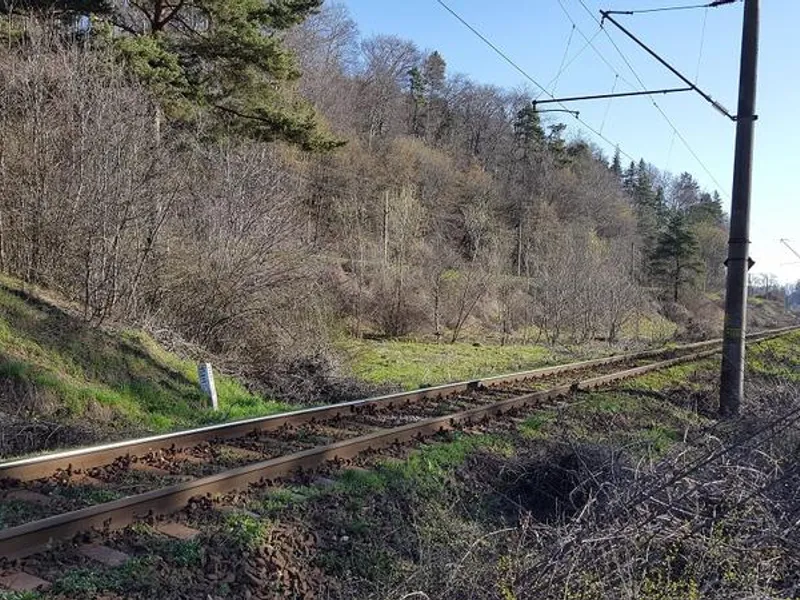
(8, 595)
(244, 530)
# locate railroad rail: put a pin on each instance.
(27, 469)
(29, 538)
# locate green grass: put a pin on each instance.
(122, 378)
(779, 357)
(414, 364)
(425, 467)
(678, 376)
(8, 595)
(133, 576)
(245, 531)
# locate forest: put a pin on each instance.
(166, 166)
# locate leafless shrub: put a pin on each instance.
(716, 518)
(83, 195)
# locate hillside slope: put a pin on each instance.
(63, 382)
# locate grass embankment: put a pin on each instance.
(54, 367)
(583, 500)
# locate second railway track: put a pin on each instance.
(159, 475)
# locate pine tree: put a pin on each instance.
(707, 209)
(557, 145)
(643, 193)
(629, 179)
(417, 93)
(434, 70)
(223, 60)
(616, 163)
(675, 259)
(528, 129)
(646, 205)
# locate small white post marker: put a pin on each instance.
(206, 377)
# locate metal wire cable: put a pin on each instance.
(527, 76)
(563, 60)
(596, 51)
(489, 43)
(608, 104)
(571, 60)
(674, 8)
(656, 105)
(669, 152)
(702, 45)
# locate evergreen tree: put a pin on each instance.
(629, 179)
(528, 129)
(436, 114)
(221, 59)
(643, 193)
(557, 145)
(417, 93)
(645, 204)
(616, 163)
(433, 72)
(675, 259)
(707, 210)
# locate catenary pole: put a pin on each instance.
(733, 348)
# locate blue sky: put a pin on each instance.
(535, 33)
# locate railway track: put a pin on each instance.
(159, 475)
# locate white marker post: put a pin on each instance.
(206, 377)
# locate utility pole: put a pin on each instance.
(733, 347)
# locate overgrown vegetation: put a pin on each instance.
(178, 194)
(63, 379)
(632, 492)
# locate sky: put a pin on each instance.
(704, 44)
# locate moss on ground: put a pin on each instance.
(54, 366)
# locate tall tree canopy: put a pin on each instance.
(222, 59)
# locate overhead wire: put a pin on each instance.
(489, 43)
(600, 55)
(669, 151)
(563, 60)
(608, 104)
(702, 46)
(527, 76)
(669, 121)
(575, 56)
(642, 11)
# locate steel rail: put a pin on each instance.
(30, 538)
(44, 465)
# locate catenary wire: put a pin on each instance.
(563, 60)
(642, 11)
(527, 76)
(702, 46)
(608, 104)
(669, 121)
(571, 60)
